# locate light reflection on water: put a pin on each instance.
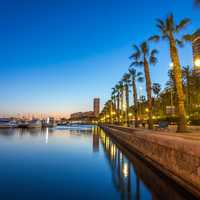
(74, 163)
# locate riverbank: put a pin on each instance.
(176, 155)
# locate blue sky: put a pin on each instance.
(56, 55)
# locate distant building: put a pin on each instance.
(196, 51)
(96, 107)
(88, 116)
(76, 115)
(81, 115)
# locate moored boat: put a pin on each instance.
(35, 124)
(7, 123)
(23, 124)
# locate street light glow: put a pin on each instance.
(197, 62)
(171, 65)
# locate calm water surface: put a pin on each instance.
(78, 163)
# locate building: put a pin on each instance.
(76, 115)
(82, 115)
(196, 51)
(88, 116)
(96, 107)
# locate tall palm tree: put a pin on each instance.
(135, 76)
(121, 89)
(168, 31)
(187, 76)
(126, 80)
(113, 98)
(143, 56)
(156, 88)
(117, 87)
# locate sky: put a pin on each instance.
(57, 55)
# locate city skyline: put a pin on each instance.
(54, 56)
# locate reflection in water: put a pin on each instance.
(47, 135)
(131, 175)
(25, 150)
(95, 138)
(120, 165)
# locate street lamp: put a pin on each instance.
(171, 65)
(130, 114)
(197, 62)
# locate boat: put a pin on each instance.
(35, 124)
(49, 123)
(7, 123)
(23, 124)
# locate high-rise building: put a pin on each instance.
(96, 106)
(196, 51)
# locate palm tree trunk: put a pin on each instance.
(148, 90)
(182, 124)
(135, 102)
(122, 104)
(127, 104)
(118, 110)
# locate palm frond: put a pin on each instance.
(153, 60)
(132, 71)
(136, 48)
(183, 23)
(154, 38)
(135, 56)
(180, 43)
(144, 47)
(136, 64)
(139, 74)
(188, 37)
(154, 52)
(140, 79)
(160, 24)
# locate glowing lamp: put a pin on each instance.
(171, 65)
(197, 62)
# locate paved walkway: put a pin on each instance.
(193, 134)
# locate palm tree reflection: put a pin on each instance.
(121, 168)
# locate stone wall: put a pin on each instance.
(177, 157)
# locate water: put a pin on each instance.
(75, 163)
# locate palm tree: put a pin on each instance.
(113, 98)
(126, 80)
(117, 87)
(187, 76)
(121, 89)
(156, 88)
(135, 76)
(143, 56)
(169, 30)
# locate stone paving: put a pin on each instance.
(192, 134)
